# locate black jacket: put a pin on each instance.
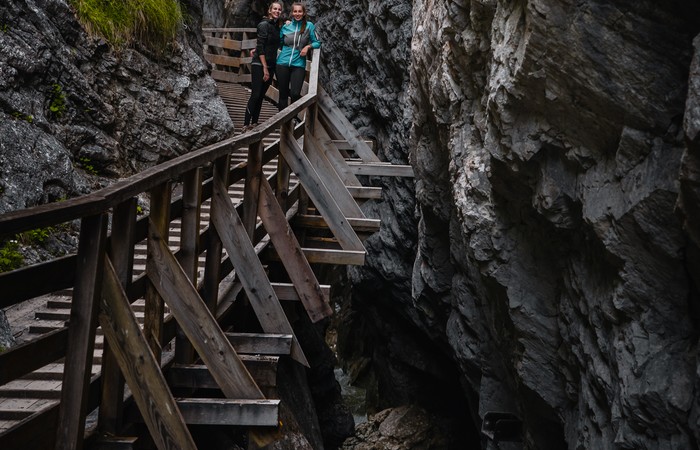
(268, 42)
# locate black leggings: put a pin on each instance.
(290, 79)
(258, 90)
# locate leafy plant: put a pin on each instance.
(153, 23)
(87, 166)
(37, 236)
(4, 28)
(58, 101)
(10, 257)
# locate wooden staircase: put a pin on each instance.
(139, 322)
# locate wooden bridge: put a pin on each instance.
(139, 321)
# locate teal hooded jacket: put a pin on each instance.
(293, 40)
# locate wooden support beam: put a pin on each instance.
(319, 194)
(158, 225)
(254, 174)
(342, 144)
(286, 291)
(382, 169)
(81, 334)
(359, 225)
(199, 325)
(334, 119)
(212, 266)
(249, 269)
(217, 411)
(329, 176)
(287, 246)
(141, 369)
(122, 256)
(334, 156)
(189, 248)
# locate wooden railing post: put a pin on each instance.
(159, 220)
(212, 268)
(189, 248)
(283, 170)
(122, 256)
(81, 333)
(251, 193)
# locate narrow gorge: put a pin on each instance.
(544, 262)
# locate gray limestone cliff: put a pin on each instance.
(555, 267)
(75, 114)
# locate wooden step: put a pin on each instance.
(381, 169)
(261, 343)
(318, 222)
(216, 411)
(287, 291)
(324, 256)
(263, 369)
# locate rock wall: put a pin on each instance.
(74, 113)
(556, 261)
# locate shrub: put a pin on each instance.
(10, 257)
(58, 101)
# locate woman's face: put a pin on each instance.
(275, 10)
(298, 12)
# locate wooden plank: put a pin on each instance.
(282, 180)
(362, 192)
(383, 169)
(262, 368)
(121, 250)
(212, 267)
(254, 174)
(249, 269)
(230, 77)
(195, 319)
(81, 333)
(158, 225)
(342, 144)
(333, 117)
(215, 411)
(287, 291)
(334, 156)
(324, 256)
(286, 244)
(330, 177)
(21, 284)
(319, 194)
(228, 44)
(225, 60)
(24, 358)
(188, 256)
(141, 369)
(261, 343)
(359, 225)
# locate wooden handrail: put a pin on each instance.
(102, 200)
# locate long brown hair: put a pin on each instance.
(303, 19)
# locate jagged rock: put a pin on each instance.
(75, 113)
(6, 338)
(402, 428)
(551, 265)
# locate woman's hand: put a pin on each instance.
(305, 50)
(266, 74)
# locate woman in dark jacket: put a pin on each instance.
(263, 64)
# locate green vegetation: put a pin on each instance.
(35, 237)
(87, 166)
(4, 28)
(10, 257)
(58, 101)
(139, 210)
(21, 116)
(153, 23)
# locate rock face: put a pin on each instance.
(556, 263)
(74, 113)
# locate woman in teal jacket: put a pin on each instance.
(298, 38)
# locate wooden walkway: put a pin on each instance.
(146, 309)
